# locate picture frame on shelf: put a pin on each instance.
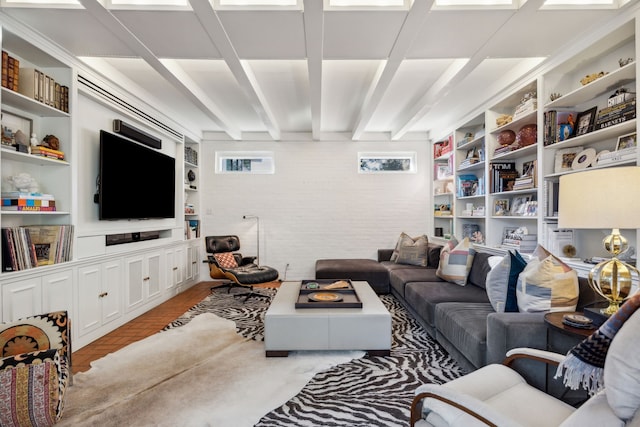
(528, 168)
(519, 205)
(564, 159)
(12, 123)
(585, 121)
(627, 141)
(501, 207)
(508, 231)
(442, 171)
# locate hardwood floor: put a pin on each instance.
(145, 325)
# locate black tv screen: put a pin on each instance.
(135, 182)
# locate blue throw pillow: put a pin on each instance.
(517, 265)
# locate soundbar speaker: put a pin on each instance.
(129, 131)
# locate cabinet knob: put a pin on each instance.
(146, 278)
(175, 268)
(104, 294)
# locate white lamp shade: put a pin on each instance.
(600, 198)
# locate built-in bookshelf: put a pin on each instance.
(36, 151)
(191, 189)
(579, 113)
(443, 187)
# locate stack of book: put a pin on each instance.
(623, 155)
(502, 149)
(523, 183)
(27, 202)
(520, 242)
(616, 114)
(43, 151)
(526, 107)
(558, 126)
(33, 246)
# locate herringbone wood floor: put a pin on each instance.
(143, 326)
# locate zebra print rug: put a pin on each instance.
(370, 391)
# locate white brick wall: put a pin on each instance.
(316, 205)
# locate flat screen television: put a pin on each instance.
(135, 182)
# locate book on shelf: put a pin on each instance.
(498, 170)
(26, 195)
(468, 230)
(10, 71)
(623, 155)
(192, 228)
(558, 125)
(40, 150)
(32, 246)
(468, 185)
(22, 208)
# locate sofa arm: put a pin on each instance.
(506, 331)
(384, 254)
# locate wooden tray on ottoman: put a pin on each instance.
(314, 294)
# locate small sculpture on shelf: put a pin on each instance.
(34, 140)
(624, 62)
(555, 95)
(22, 142)
(51, 141)
(25, 183)
(504, 119)
(592, 77)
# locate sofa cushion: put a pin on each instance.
(399, 277)
(464, 325)
(455, 261)
(433, 256)
(547, 285)
(423, 297)
(502, 281)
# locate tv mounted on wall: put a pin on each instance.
(135, 182)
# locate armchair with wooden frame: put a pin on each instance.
(225, 262)
(496, 395)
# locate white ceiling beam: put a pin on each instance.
(211, 24)
(449, 79)
(104, 16)
(313, 34)
(379, 86)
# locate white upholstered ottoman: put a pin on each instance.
(288, 328)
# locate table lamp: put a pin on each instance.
(602, 199)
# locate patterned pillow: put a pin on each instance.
(226, 260)
(40, 332)
(31, 389)
(404, 239)
(547, 284)
(501, 282)
(413, 251)
(455, 261)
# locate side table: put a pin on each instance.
(560, 339)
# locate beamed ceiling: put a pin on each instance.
(314, 72)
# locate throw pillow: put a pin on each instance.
(455, 261)
(622, 369)
(502, 280)
(547, 284)
(414, 251)
(226, 260)
(405, 240)
(31, 392)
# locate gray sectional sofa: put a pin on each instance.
(460, 318)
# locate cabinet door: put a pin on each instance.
(134, 275)
(180, 263)
(111, 291)
(21, 299)
(195, 261)
(57, 292)
(153, 276)
(89, 289)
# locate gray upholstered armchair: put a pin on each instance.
(226, 263)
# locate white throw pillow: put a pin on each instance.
(622, 369)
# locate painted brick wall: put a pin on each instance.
(316, 205)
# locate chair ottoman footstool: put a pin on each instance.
(355, 269)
